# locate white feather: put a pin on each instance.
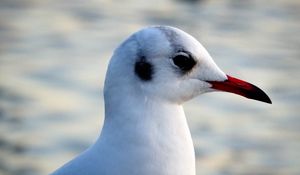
(145, 130)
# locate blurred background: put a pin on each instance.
(53, 59)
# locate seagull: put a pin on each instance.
(145, 132)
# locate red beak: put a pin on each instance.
(240, 87)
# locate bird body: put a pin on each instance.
(145, 131)
(143, 143)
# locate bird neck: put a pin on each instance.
(140, 117)
(149, 131)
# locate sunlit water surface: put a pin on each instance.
(53, 58)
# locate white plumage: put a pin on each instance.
(145, 130)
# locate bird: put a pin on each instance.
(145, 131)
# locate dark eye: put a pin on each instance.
(183, 61)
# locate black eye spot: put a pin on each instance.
(183, 61)
(143, 69)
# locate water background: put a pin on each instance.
(53, 58)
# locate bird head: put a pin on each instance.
(166, 63)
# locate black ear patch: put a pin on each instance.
(143, 69)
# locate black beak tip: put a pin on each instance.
(260, 95)
(266, 99)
